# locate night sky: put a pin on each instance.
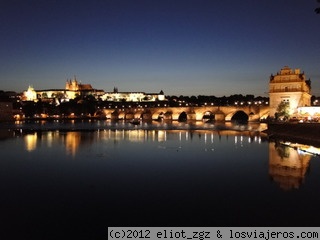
(189, 47)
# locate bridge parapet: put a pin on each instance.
(217, 113)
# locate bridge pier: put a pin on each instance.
(114, 115)
(219, 117)
(147, 116)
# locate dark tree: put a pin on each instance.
(317, 10)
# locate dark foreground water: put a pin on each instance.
(58, 184)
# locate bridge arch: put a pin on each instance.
(100, 114)
(129, 115)
(162, 114)
(144, 115)
(183, 117)
(168, 115)
(138, 115)
(239, 115)
(158, 115)
(208, 116)
(115, 115)
(121, 115)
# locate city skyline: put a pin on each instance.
(180, 47)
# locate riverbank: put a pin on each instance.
(307, 133)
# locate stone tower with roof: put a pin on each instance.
(290, 86)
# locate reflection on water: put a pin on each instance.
(287, 166)
(30, 141)
(126, 125)
(72, 140)
(161, 176)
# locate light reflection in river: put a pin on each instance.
(190, 177)
(287, 165)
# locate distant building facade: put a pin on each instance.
(117, 96)
(289, 86)
(75, 89)
(72, 90)
(73, 85)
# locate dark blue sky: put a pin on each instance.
(188, 47)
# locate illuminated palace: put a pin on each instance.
(132, 96)
(289, 86)
(75, 89)
(72, 90)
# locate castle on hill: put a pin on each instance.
(74, 89)
(73, 85)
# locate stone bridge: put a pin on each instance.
(217, 113)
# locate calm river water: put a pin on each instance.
(56, 183)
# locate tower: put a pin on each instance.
(30, 94)
(72, 85)
(289, 86)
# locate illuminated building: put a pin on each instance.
(73, 85)
(75, 89)
(30, 94)
(289, 86)
(117, 96)
(72, 90)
